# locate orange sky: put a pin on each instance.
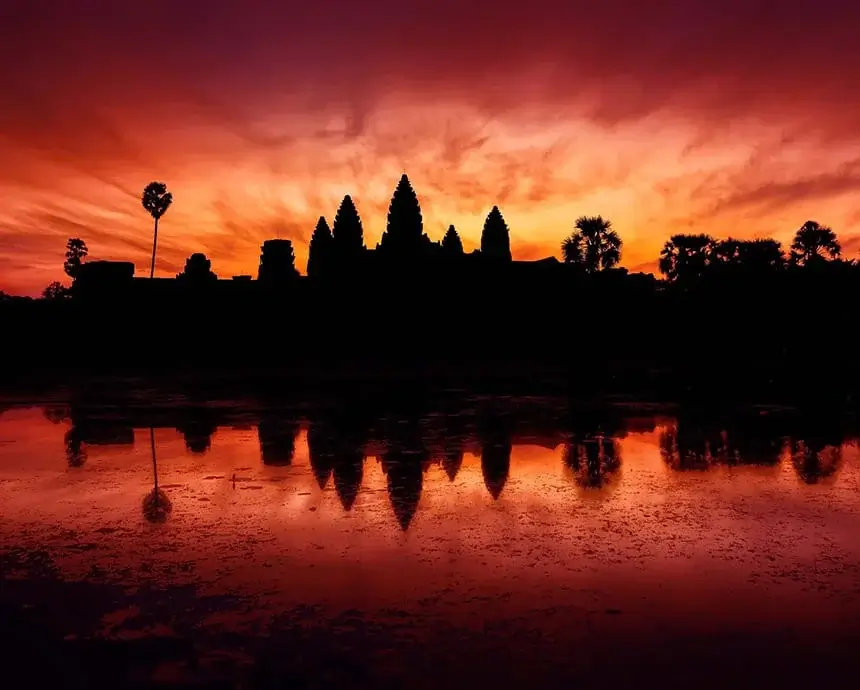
(676, 119)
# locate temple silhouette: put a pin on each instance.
(409, 441)
(717, 322)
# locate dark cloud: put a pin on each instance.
(617, 60)
(306, 97)
(771, 195)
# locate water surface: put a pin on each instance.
(508, 541)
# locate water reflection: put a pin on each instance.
(197, 425)
(405, 458)
(814, 445)
(156, 504)
(76, 454)
(817, 451)
(592, 456)
(484, 444)
(691, 442)
(85, 430)
(336, 449)
(525, 521)
(496, 448)
(277, 433)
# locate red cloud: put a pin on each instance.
(664, 115)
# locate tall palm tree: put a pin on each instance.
(814, 242)
(156, 200)
(593, 244)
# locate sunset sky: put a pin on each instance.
(736, 117)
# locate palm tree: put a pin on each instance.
(728, 252)
(156, 200)
(686, 256)
(593, 244)
(753, 256)
(761, 255)
(814, 242)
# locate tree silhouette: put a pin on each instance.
(198, 270)
(347, 233)
(750, 256)
(727, 252)
(451, 244)
(593, 244)
(814, 243)
(76, 250)
(55, 292)
(762, 255)
(156, 200)
(686, 257)
(404, 234)
(496, 238)
(320, 249)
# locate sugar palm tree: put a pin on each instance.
(814, 242)
(593, 244)
(156, 200)
(686, 257)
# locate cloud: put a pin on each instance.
(668, 115)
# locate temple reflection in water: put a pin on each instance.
(338, 443)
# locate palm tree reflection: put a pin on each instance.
(593, 460)
(76, 454)
(816, 456)
(686, 445)
(592, 455)
(156, 504)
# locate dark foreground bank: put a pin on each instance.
(789, 338)
(740, 384)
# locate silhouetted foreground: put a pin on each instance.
(742, 319)
(545, 324)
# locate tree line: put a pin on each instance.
(592, 246)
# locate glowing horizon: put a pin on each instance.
(261, 119)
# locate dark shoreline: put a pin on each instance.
(357, 384)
